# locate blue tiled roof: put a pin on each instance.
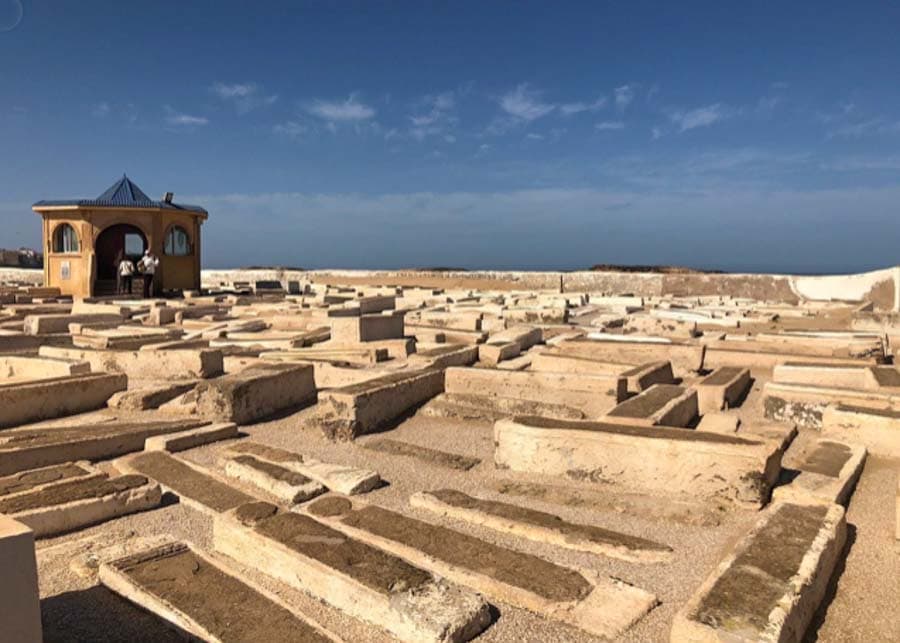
(124, 193)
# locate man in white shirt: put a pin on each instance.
(147, 265)
(126, 272)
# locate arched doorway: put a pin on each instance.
(114, 241)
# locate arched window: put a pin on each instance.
(65, 239)
(177, 243)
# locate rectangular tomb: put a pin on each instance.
(20, 605)
(37, 478)
(769, 587)
(201, 597)
(684, 357)
(194, 486)
(661, 404)
(540, 526)
(283, 483)
(24, 402)
(23, 449)
(661, 459)
(337, 477)
(834, 375)
(827, 474)
(721, 389)
(591, 394)
(361, 580)
(804, 405)
(255, 393)
(602, 606)
(73, 504)
(348, 412)
(191, 438)
(176, 364)
(877, 429)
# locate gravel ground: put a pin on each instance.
(863, 607)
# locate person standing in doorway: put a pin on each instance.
(125, 273)
(148, 265)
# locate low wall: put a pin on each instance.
(881, 287)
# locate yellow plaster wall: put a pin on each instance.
(173, 273)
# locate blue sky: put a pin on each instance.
(741, 136)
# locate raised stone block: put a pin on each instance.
(361, 580)
(491, 408)
(437, 334)
(35, 368)
(445, 356)
(722, 389)
(540, 526)
(591, 394)
(142, 399)
(804, 405)
(877, 429)
(73, 504)
(191, 438)
(37, 478)
(362, 355)
(249, 395)
(769, 587)
(20, 606)
(719, 423)
(601, 606)
(685, 357)
(283, 483)
(759, 356)
(203, 598)
(834, 375)
(176, 364)
(508, 344)
(492, 353)
(47, 324)
(23, 449)
(23, 402)
(661, 404)
(642, 377)
(424, 454)
(347, 412)
(348, 327)
(195, 486)
(340, 478)
(826, 474)
(659, 459)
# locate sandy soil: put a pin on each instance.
(862, 606)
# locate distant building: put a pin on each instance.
(84, 238)
(21, 258)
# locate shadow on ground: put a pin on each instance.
(100, 616)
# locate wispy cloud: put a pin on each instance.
(434, 116)
(180, 119)
(244, 96)
(291, 129)
(341, 111)
(699, 117)
(101, 110)
(864, 164)
(767, 104)
(624, 95)
(525, 103)
(859, 129)
(569, 109)
(609, 125)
